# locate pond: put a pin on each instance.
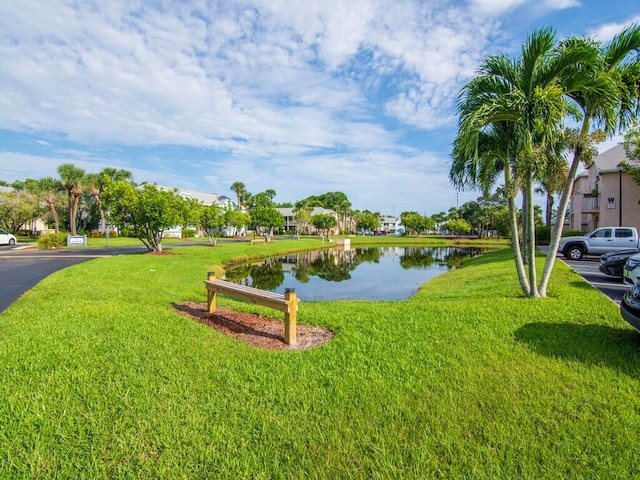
(379, 273)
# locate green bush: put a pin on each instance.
(125, 232)
(188, 233)
(543, 235)
(99, 234)
(52, 240)
(573, 233)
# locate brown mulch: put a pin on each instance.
(254, 329)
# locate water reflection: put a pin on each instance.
(385, 273)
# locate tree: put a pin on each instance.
(438, 220)
(414, 222)
(458, 226)
(51, 188)
(17, 208)
(212, 220)
(344, 209)
(97, 182)
(241, 192)
(263, 213)
(324, 222)
(72, 178)
(509, 115)
(336, 201)
(302, 217)
(632, 147)
(367, 220)
(610, 97)
(146, 210)
(236, 219)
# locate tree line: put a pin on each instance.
(77, 201)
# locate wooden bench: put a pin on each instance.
(287, 303)
(258, 240)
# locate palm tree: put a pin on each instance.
(72, 178)
(478, 162)
(528, 97)
(97, 182)
(50, 186)
(240, 190)
(610, 99)
(344, 207)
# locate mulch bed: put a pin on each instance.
(254, 329)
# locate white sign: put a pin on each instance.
(76, 240)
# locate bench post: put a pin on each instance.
(211, 295)
(290, 330)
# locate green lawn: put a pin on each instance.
(101, 379)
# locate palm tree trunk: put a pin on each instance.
(556, 232)
(515, 237)
(531, 238)
(54, 212)
(74, 213)
(525, 227)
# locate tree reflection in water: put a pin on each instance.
(362, 272)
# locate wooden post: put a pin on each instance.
(290, 332)
(211, 295)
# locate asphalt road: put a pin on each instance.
(21, 270)
(588, 268)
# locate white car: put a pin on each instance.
(631, 270)
(6, 238)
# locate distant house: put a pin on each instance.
(203, 197)
(603, 195)
(390, 224)
(290, 223)
(208, 198)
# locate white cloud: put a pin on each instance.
(139, 74)
(607, 31)
(561, 4)
(493, 8)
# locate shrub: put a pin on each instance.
(52, 240)
(188, 233)
(572, 233)
(543, 235)
(98, 234)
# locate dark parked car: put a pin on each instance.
(630, 306)
(613, 263)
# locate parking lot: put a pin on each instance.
(588, 268)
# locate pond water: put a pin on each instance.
(379, 273)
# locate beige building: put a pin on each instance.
(605, 196)
(290, 222)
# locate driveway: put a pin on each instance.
(21, 270)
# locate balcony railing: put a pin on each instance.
(591, 204)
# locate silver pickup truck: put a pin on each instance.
(602, 240)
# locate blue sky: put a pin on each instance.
(303, 97)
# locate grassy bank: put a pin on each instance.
(101, 379)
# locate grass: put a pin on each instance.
(101, 379)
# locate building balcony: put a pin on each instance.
(591, 204)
